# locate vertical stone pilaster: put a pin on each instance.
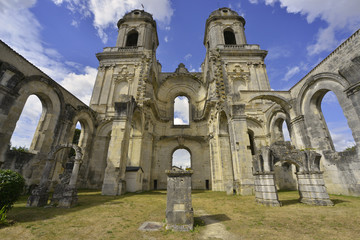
(299, 137)
(241, 156)
(146, 159)
(114, 180)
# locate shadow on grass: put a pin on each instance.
(289, 202)
(86, 199)
(337, 201)
(210, 219)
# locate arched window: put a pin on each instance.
(29, 121)
(132, 39)
(181, 110)
(181, 158)
(285, 132)
(229, 37)
(336, 122)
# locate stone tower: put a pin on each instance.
(123, 82)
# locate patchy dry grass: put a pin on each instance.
(109, 217)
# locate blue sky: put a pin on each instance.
(61, 37)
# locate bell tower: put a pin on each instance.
(240, 65)
(127, 68)
(126, 77)
(137, 29)
(224, 27)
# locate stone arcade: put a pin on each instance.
(233, 114)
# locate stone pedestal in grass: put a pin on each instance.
(179, 211)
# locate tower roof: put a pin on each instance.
(222, 14)
(137, 15)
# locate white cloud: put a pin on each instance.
(181, 158)
(166, 39)
(339, 15)
(188, 56)
(27, 123)
(106, 13)
(181, 111)
(291, 72)
(81, 85)
(285, 131)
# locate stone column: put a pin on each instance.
(69, 195)
(114, 180)
(179, 211)
(312, 189)
(241, 155)
(299, 136)
(265, 190)
(40, 196)
(146, 159)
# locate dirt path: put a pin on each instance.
(214, 229)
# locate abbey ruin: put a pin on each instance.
(128, 133)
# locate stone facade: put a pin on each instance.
(233, 112)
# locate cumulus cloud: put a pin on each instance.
(338, 15)
(291, 72)
(166, 39)
(181, 111)
(81, 85)
(106, 13)
(181, 158)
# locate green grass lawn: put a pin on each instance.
(119, 217)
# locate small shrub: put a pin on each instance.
(20, 149)
(350, 149)
(11, 187)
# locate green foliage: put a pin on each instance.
(76, 136)
(350, 149)
(11, 187)
(3, 216)
(20, 149)
(75, 141)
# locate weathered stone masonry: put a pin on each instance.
(233, 113)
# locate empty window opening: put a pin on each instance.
(285, 132)
(77, 138)
(155, 184)
(181, 110)
(336, 122)
(30, 121)
(181, 158)
(252, 144)
(132, 39)
(229, 37)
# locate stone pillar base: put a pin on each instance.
(38, 198)
(265, 190)
(182, 221)
(312, 189)
(179, 211)
(69, 197)
(113, 189)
